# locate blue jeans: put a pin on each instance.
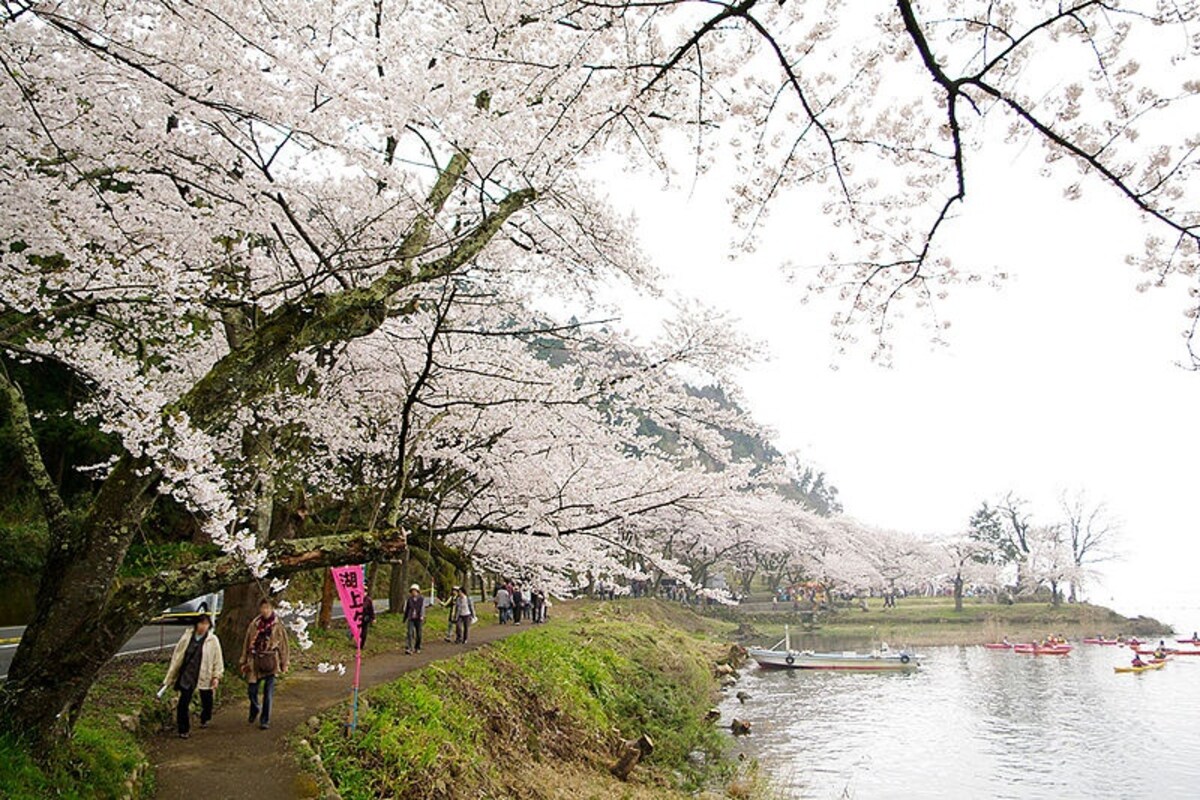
(268, 691)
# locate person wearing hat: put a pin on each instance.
(196, 663)
(414, 616)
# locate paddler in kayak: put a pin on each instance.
(1160, 652)
(1137, 661)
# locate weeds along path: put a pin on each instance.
(232, 759)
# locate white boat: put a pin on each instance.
(782, 656)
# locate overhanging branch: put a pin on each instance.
(147, 596)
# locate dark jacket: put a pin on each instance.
(414, 607)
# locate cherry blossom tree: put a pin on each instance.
(874, 113)
(204, 206)
(1050, 563)
(966, 562)
(255, 232)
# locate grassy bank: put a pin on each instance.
(105, 759)
(933, 621)
(541, 715)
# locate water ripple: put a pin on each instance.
(977, 723)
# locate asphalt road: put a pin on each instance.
(146, 640)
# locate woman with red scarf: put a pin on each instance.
(264, 655)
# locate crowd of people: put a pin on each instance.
(514, 603)
(197, 662)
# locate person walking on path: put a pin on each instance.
(516, 603)
(503, 604)
(264, 656)
(538, 598)
(464, 615)
(368, 617)
(414, 617)
(196, 664)
(450, 603)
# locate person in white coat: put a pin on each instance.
(196, 665)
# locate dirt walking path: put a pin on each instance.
(232, 759)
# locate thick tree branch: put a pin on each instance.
(31, 457)
(147, 596)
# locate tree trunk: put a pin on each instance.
(73, 636)
(958, 593)
(239, 608)
(396, 587)
(47, 684)
(327, 595)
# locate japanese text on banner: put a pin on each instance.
(349, 582)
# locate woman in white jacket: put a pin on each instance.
(196, 664)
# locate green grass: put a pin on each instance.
(386, 635)
(558, 694)
(103, 754)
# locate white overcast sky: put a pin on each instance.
(1064, 378)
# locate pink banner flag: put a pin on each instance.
(349, 582)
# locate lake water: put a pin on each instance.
(974, 723)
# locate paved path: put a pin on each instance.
(232, 759)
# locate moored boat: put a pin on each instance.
(782, 656)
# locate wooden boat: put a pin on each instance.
(782, 656)
(1145, 668)
(998, 646)
(1039, 650)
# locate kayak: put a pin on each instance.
(1100, 641)
(1188, 641)
(1145, 668)
(998, 646)
(1038, 650)
(1146, 651)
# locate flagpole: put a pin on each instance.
(358, 660)
(357, 675)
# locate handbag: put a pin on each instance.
(266, 663)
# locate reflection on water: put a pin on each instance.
(978, 723)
